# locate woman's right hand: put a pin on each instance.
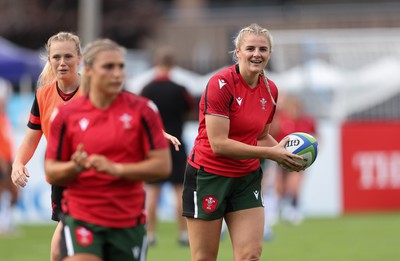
(79, 157)
(19, 175)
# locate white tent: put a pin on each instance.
(195, 83)
(315, 75)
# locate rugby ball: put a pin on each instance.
(304, 145)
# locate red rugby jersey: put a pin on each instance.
(124, 133)
(248, 110)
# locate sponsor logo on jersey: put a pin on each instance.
(239, 100)
(84, 236)
(84, 123)
(126, 119)
(256, 193)
(209, 203)
(221, 83)
(136, 252)
(263, 102)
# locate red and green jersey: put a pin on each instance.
(248, 110)
(46, 99)
(124, 132)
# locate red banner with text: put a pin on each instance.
(371, 166)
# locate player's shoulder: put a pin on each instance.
(46, 90)
(138, 103)
(131, 98)
(135, 101)
(271, 83)
(225, 76)
(179, 86)
(226, 72)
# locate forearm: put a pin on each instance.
(152, 168)
(267, 141)
(238, 150)
(27, 148)
(61, 172)
(145, 170)
(23, 155)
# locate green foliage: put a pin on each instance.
(366, 237)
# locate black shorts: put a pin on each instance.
(56, 196)
(179, 159)
(5, 171)
(3, 176)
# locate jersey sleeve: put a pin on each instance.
(153, 134)
(34, 117)
(218, 96)
(57, 145)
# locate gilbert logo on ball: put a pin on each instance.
(304, 145)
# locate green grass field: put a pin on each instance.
(372, 237)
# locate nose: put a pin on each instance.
(119, 72)
(62, 61)
(257, 53)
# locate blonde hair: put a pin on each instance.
(251, 29)
(89, 55)
(47, 76)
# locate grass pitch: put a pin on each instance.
(363, 237)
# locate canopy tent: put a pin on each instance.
(17, 62)
(195, 83)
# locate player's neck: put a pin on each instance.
(163, 72)
(68, 86)
(251, 80)
(102, 100)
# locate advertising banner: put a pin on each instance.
(371, 166)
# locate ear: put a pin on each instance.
(237, 51)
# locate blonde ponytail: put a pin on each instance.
(46, 76)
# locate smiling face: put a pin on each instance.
(107, 72)
(64, 60)
(253, 53)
